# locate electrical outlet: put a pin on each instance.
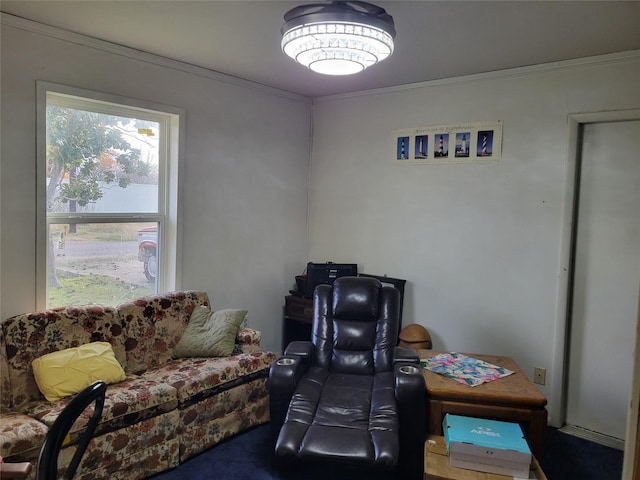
(539, 375)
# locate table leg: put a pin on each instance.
(538, 431)
(435, 417)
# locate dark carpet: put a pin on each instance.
(247, 457)
(567, 457)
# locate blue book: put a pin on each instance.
(486, 445)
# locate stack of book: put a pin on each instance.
(486, 445)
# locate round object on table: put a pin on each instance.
(415, 336)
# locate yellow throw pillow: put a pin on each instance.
(67, 372)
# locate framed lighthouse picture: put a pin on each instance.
(477, 142)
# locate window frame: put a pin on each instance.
(171, 121)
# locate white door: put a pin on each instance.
(606, 279)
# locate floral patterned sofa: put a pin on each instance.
(164, 412)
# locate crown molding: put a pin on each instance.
(607, 59)
(142, 56)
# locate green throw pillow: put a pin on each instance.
(210, 334)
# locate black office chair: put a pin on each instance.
(48, 460)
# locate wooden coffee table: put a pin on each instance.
(513, 398)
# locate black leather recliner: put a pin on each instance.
(350, 396)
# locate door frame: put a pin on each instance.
(558, 386)
(631, 463)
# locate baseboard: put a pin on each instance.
(592, 436)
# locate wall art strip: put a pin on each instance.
(477, 142)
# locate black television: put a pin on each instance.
(326, 273)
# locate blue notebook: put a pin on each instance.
(485, 433)
(486, 445)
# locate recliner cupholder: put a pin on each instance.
(285, 361)
(408, 369)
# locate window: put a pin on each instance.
(107, 194)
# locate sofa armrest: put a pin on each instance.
(17, 471)
(248, 339)
(21, 434)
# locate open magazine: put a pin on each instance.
(461, 368)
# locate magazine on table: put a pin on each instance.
(464, 369)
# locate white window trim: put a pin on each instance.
(170, 240)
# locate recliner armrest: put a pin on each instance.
(284, 375)
(300, 349)
(411, 395)
(410, 384)
(404, 354)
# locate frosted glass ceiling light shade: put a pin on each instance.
(340, 38)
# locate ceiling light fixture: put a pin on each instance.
(340, 38)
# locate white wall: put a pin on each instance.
(244, 179)
(480, 244)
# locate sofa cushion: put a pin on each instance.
(154, 325)
(67, 372)
(20, 435)
(199, 378)
(126, 403)
(210, 334)
(31, 335)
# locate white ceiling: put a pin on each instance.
(435, 39)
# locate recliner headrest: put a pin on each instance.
(356, 298)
